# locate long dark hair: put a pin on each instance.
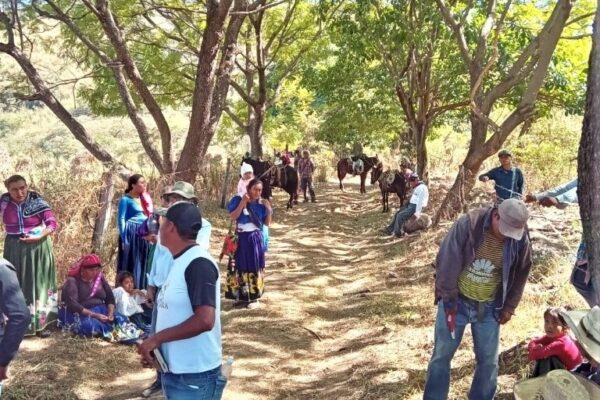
(133, 180)
(253, 183)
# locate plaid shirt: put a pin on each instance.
(306, 168)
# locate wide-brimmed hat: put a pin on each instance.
(183, 189)
(557, 384)
(513, 218)
(585, 325)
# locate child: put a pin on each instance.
(132, 302)
(247, 174)
(555, 350)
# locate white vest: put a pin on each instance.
(198, 353)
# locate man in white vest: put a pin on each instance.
(188, 326)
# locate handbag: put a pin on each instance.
(264, 228)
(230, 243)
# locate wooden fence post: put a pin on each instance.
(105, 200)
(225, 183)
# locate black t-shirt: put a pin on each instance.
(201, 279)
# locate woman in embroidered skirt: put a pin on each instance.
(28, 223)
(134, 208)
(89, 304)
(250, 212)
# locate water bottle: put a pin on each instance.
(227, 367)
(153, 225)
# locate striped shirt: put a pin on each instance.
(480, 280)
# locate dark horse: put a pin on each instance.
(399, 185)
(344, 166)
(271, 176)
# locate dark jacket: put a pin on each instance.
(12, 304)
(458, 250)
(508, 183)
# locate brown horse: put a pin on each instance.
(398, 185)
(344, 166)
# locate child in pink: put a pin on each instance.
(555, 350)
(246, 173)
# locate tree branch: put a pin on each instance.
(259, 9)
(457, 31)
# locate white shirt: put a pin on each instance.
(420, 197)
(162, 259)
(125, 303)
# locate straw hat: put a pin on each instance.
(585, 325)
(559, 384)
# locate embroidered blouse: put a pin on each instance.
(23, 218)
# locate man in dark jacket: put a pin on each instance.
(12, 305)
(481, 271)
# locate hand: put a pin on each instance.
(144, 350)
(504, 317)
(99, 317)
(110, 317)
(246, 199)
(31, 239)
(150, 238)
(529, 198)
(450, 318)
(3, 373)
(549, 202)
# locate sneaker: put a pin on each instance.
(154, 389)
(43, 334)
(253, 305)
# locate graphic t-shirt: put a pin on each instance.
(480, 280)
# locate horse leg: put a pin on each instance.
(387, 202)
(363, 176)
(382, 199)
(341, 176)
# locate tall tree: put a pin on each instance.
(497, 78)
(132, 42)
(589, 159)
(274, 41)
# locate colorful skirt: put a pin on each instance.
(119, 330)
(34, 263)
(245, 271)
(134, 254)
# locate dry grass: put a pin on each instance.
(347, 313)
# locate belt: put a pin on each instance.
(480, 305)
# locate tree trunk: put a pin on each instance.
(589, 159)
(256, 132)
(105, 200)
(420, 141)
(199, 135)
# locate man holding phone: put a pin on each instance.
(188, 326)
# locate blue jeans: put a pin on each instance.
(486, 334)
(397, 225)
(208, 385)
(583, 284)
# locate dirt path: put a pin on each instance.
(330, 328)
(347, 314)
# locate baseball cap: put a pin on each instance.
(504, 153)
(513, 218)
(186, 217)
(183, 189)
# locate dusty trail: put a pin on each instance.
(347, 314)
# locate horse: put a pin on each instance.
(389, 182)
(271, 175)
(345, 166)
(286, 177)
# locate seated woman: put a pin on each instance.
(89, 304)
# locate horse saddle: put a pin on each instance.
(358, 167)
